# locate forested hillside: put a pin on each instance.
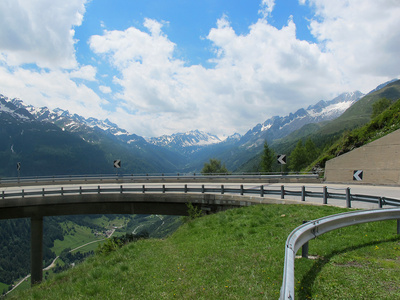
(62, 233)
(15, 246)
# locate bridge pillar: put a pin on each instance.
(36, 250)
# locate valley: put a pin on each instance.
(46, 142)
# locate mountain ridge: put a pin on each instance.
(179, 152)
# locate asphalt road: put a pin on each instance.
(381, 191)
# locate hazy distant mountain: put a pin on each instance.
(183, 140)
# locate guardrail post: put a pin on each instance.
(98, 189)
(186, 188)
(348, 198)
(282, 192)
(222, 189)
(262, 191)
(121, 189)
(303, 193)
(163, 187)
(380, 202)
(62, 191)
(80, 190)
(398, 226)
(23, 193)
(202, 189)
(304, 248)
(2, 195)
(241, 190)
(143, 189)
(325, 195)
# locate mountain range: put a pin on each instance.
(50, 142)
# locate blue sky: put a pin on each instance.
(159, 67)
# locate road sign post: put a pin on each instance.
(18, 169)
(117, 165)
(281, 158)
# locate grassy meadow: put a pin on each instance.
(238, 254)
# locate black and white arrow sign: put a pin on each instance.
(281, 159)
(18, 166)
(358, 175)
(117, 163)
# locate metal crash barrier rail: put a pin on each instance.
(310, 230)
(255, 190)
(151, 177)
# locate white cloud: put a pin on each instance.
(267, 6)
(105, 89)
(53, 89)
(362, 36)
(264, 73)
(84, 72)
(39, 31)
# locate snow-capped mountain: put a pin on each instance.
(95, 131)
(72, 122)
(19, 113)
(278, 127)
(187, 139)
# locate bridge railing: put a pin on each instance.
(149, 177)
(310, 230)
(260, 191)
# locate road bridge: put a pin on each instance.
(36, 201)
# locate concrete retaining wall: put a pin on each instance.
(379, 162)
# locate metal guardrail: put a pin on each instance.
(310, 230)
(149, 177)
(259, 190)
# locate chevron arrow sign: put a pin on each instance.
(358, 175)
(117, 163)
(281, 159)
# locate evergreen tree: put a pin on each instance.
(267, 159)
(311, 151)
(298, 157)
(379, 106)
(214, 167)
(303, 155)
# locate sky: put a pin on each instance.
(157, 67)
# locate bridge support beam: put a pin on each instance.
(36, 250)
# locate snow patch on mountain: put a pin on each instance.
(186, 139)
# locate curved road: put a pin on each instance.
(382, 191)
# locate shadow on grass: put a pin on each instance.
(309, 278)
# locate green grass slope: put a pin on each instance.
(238, 254)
